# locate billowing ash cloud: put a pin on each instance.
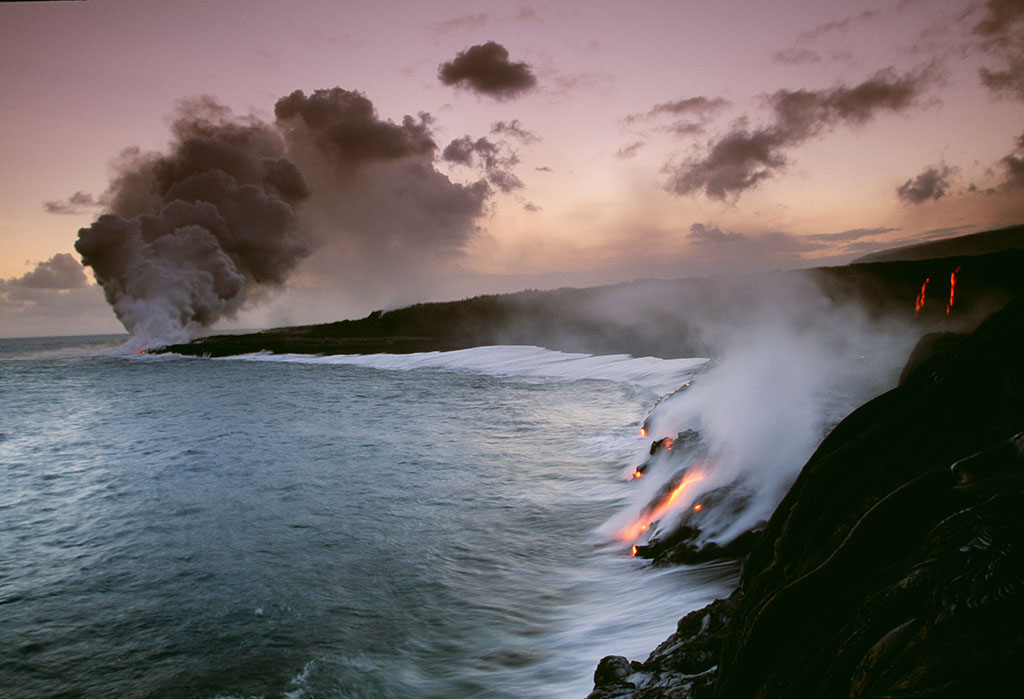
(61, 271)
(932, 183)
(77, 203)
(382, 215)
(741, 159)
(485, 68)
(1001, 32)
(235, 204)
(194, 232)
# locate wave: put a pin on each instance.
(659, 375)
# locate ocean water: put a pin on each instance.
(418, 526)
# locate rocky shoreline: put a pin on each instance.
(895, 564)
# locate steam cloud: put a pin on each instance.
(793, 364)
(741, 159)
(193, 233)
(485, 68)
(383, 217)
(235, 204)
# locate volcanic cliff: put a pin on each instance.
(895, 564)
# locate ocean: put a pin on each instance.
(283, 526)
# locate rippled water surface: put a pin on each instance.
(192, 527)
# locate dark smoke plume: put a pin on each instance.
(385, 219)
(194, 233)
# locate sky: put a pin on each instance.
(245, 164)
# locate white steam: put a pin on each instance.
(793, 365)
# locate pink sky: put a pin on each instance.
(655, 139)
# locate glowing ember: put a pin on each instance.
(698, 507)
(658, 511)
(919, 304)
(634, 550)
(668, 443)
(952, 290)
(637, 474)
(643, 431)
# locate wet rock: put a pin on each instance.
(895, 564)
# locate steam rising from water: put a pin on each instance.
(235, 205)
(195, 233)
(792, 366)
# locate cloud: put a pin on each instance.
(932, 183)
(690, 115)
(796, 56)
(847, 236)
(630, 150)
(77, 203)
(61, 271)
(344, 125)
(1014, 166)
(515, 129)
(1001, 34)
(702, 235)
(496, 159)
(485, 68)
(472, 21)
(54, 294)
(834, 26)
(742, 158)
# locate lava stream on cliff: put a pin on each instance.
(952, 290)
(657, 510)
(919, 303)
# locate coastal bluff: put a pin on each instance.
(895, 564)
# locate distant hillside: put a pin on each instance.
(997, 240)
(679, 318)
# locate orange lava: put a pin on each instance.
(952, 290)
(658, 511)
(637, 474)
(634, 550)
(698, 507)
(643, 431)
(919, 304)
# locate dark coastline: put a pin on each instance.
(894, 566)
(644, 318)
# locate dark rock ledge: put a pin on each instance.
(895, 565)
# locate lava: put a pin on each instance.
(656, 512)
(952, 290)
(919, 304)
(638, 474)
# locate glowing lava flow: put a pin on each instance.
(952, 290)
(919, 304)
(658, 511)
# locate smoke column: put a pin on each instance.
(195, 233)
